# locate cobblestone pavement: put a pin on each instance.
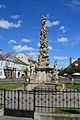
(14, 118)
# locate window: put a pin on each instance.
(0, 73)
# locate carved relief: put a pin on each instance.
(43, 59)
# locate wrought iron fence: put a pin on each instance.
(1, 98)
(47, 100)
(41, 99)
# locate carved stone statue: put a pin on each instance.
(43, 59)
(55, 71)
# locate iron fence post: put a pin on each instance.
(1, 95)
(4, 99)
(34, 99)
(18, 99)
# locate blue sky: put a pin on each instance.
(20, 25)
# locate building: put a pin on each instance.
(26, 59)
(19, 65)
(29, 61)
(2, 64)
(11, 66)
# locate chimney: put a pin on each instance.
(0, 51)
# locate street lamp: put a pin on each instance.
(76, 64)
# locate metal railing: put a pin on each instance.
(41, 99)
(2, 98)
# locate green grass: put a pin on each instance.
(9, 86)
(67, 111)
(1, 106)
(73, 86)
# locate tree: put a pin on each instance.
(69, 70)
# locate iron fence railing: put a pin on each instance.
(41, 99)
(1, 97)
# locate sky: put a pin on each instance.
(20, 25)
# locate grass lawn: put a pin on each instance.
(9, 86)
(67, 111)
(73, 86)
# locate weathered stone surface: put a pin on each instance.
(43, 60)
(55, 71)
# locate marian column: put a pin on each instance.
(43, 59)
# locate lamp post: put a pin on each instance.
(70, 77)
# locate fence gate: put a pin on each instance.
(19, 103)
(24, 103)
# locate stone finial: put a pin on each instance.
(43, 20)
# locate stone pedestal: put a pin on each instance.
(43, 75)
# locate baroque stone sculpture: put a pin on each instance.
(43, 60)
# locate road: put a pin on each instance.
(12, 80)
(67, 80)
(14, 118)
(61, 80)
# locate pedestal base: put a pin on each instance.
(43, 75)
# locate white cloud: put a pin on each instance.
(63, 29)
(51, 24)
(12, 41)
(25, 40)
(62, 39)
(50, 47)
(74, 4)
(7, 25)
(15, 16)
(73, 60)
(60, 57)
(75, 43)
(19, 48)
(33, 55)
(2, 6)
(38, 44)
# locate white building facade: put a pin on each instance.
(11, 67)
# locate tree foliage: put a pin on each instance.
(69, 70)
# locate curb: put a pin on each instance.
(45, 116)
